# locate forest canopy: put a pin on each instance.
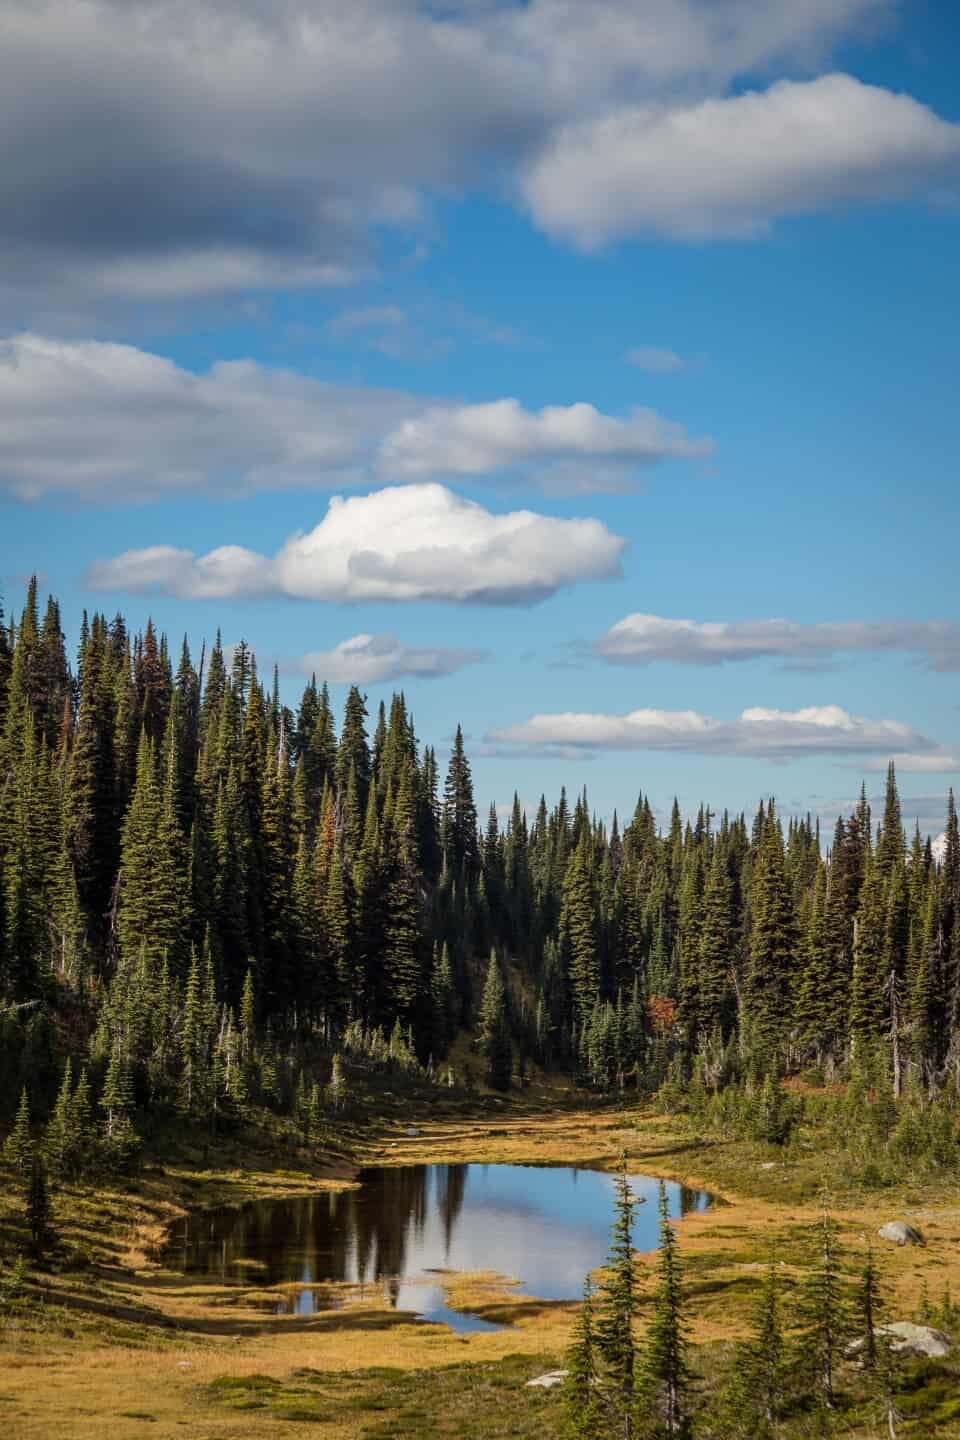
(207, 898)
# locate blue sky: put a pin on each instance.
(684, 272)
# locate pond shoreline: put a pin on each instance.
(123, 1337)
(543, 1226)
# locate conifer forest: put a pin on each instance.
(223, 916)
(208, 897)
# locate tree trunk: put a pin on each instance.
(895, 1037)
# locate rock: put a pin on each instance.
(412, 1130)
(908, 1339)
(900, 1232)
(548, 1381)
(768, 1165)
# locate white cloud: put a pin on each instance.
(778, 735)
(98, 420)
(185, 274)
(640, 639)
(652, 358)
(228, 571)
(159, 149)
(477, 439)
(732, 166)
(371, 659)
(417, 542)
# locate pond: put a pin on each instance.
(547, 1226)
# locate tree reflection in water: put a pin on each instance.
(546, 1226)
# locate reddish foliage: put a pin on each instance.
(662, 1012)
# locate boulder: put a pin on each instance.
(548, 1381)
(908, 1339)
(900, 1233)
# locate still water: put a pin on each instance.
(545, 1225)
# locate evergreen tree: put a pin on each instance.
(771, 945)
(403, 910)
(443, 1001)
(868, 1306)
(582, 1409)
(757, 1384)
(868, 1017)
(716, 947)
(578, 927)
(81, 1124)
(616, 1313)
(39, 1209)
(18, 1148)
(822, 1312)
(151, 907)
(116, 1103)
(459, 810)
(495, 1027)
(665, 1374)
(353, 752)
(60, 1139)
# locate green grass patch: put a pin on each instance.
(470, 1401)
(244, 1382)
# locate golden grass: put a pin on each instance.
(147, 1342)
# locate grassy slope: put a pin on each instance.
(111, 1341)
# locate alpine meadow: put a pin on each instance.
(479, 721)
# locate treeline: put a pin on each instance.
(205, 896)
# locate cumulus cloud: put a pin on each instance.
(778, 735)
(98, 420)
(654, 359)
(732, 166)
(477, 439)
(156, 148)
(640, 639)
(417, 542)
(371, 659)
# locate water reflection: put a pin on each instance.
(546, 1226)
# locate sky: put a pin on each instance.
(587, 371)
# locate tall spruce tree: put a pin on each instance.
(771, 946)
(459, 828)
(616, 1314)
(665, 1373)
(18, 1148)
(495, 1027)
(756, 1389)
(823, 1309)
(583, 1415)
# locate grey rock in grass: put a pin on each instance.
(900, 1233)
(548, 1381)
(905, 1338)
